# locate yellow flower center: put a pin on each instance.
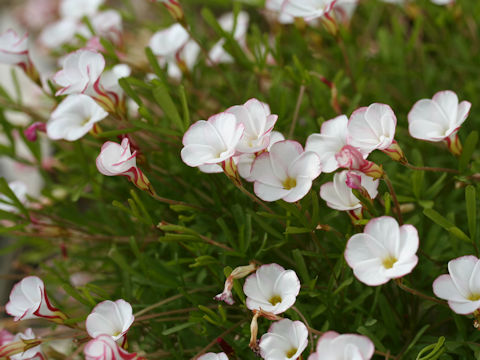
(85, 121)
(274, 300)
(290, 353)
(474, 297)
(389, 261)
(289, 183)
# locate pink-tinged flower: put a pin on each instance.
(5, 337)
(20, 190)
(81, 73)
(344, 9)
(285, 340)
(14, 51)
(333, 346)
(285, 172)
(110, 85)
(461, 287)
(213, 141)
(351, 158)
(245, 161)
(372, 128)
(174, 47)
(327, 144)
(78, 9)
(258, 122)
(238, 273)
(117, 159)
(308, 9)
(276, 6)
(112, 318)
(438, 119)
(58, 33)
(272, 289)
(29, 300)
(103, 347)
(213, 356)
(383, 251)
(31, 132)
(227, 22)
(74, 117)
(339, 195)
(106, 24)
(22, 346)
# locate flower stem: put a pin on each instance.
(404, 287)
(434, 169)
(297, 110)
(310, 333)
(254, 198)
(394, 197)
(226, 332)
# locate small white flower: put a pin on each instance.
(227, 22)
(285, 172)
(245, 161)
(28, 300)
(20, 191)
(81, 73)
(103, 347)
(13, 48)
(112, 318)
(332, 138)
(333, 346)
(109, 80)
(308, 9)
(258, 122)
(285, 340)
(384, 251)
(372, 128)
(277, 7)
(34, 353)
(213, 356)
(107, 24)
(339, 195)
(344, 9)
(213, 141)
(438, 118)
(74, 117)
(461, 287)
(59, 33)
(272, 289)
(78, 9)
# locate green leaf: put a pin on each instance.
(178, 328)
(468, 150)
(163, 99)
(471, 202)
(446, 224)
(5, 190)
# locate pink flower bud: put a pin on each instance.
(354, 181)
(103, 347)
(351, 158)
(31, 132)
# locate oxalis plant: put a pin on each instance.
(220, 179)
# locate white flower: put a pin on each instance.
(77, 9)
(109, 80)
(74, 117)
(13, 48)
(107, 24)
(286, 172)
(173, 45)
(339, 195)
(213, 356)
(372, 128)
(212, 141)
(272, 289)
(59, 33)
(258, 123)
(383, 251)
(81, 72)
(344, 9)
(308, 9)
(34, 353)
(110, 318)
(103, 347)
(245, 161)
(332, 138)
(333, 346)
(28, 300)
(20, 191)
(285, 340)
(238, 28)
(439, 118)
(277, 7)
(461, 287)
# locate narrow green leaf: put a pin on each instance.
(163, 99)
(446, 224)
(471, 201)
(468, 150)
